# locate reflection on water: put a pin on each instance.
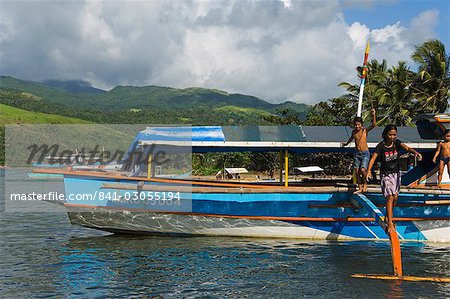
(43, 255)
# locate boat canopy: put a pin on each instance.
(302, 139)
(432, 126)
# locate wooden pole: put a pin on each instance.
(280, 156)
(286, 168)
(149, 166)
(396, 253)
(224, 160)
(363, 80)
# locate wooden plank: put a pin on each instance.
(274, 189)
(119, 176)
(396, 253)
(193, 189)
(351, 204)
(405, 278)
(355, 203)
(368, 204)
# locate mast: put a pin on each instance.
(363, 79)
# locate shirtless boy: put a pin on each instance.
(443, 152)
(362, 156)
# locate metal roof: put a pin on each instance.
(267, 138)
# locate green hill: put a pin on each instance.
(123, 97)
(148, 97)
(72, 86)
(11, 115)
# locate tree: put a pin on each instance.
(339, 111)
(394, 97)
(373, 92)
(388, 91)
(431, 85)
(283, 117)
(317, 117)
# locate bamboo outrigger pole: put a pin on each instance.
(363, 80)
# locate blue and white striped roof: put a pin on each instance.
(266, 138)
(210, 133)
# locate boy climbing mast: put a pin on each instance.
(443, 153)
(362, 155)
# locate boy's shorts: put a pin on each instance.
(445, 159)
(361, 159)
(390, 184)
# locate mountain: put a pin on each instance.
(73, 86)
(42, 91)
(147, 97)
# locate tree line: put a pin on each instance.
(398, 93)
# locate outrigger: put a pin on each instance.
(136, 201)
(429, 127)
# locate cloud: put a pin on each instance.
(367, 4)
(422, 26)
(276, 50)
(359, 34)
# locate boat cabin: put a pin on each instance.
(142, 157)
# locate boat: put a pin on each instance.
(136, 201)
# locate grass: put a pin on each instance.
(11, 115)
(240, 110)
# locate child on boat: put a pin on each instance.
(362, 155)
(443, 152)
(388, 153)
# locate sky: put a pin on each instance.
(277, 50)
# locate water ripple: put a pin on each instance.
(42, 255)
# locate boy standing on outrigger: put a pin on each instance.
(362, 156)
(443, 153)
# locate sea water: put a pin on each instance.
(43, 255)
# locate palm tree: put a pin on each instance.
(431, 86)
(388, 91)
(373, 94)
(396, 96)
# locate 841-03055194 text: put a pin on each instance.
(147, 197)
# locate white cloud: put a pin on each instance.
(390, 32)
(422, 26)
(276, 50)
(358, 34)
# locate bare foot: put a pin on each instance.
(390, 225)
(365, 189)
(357, 191)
